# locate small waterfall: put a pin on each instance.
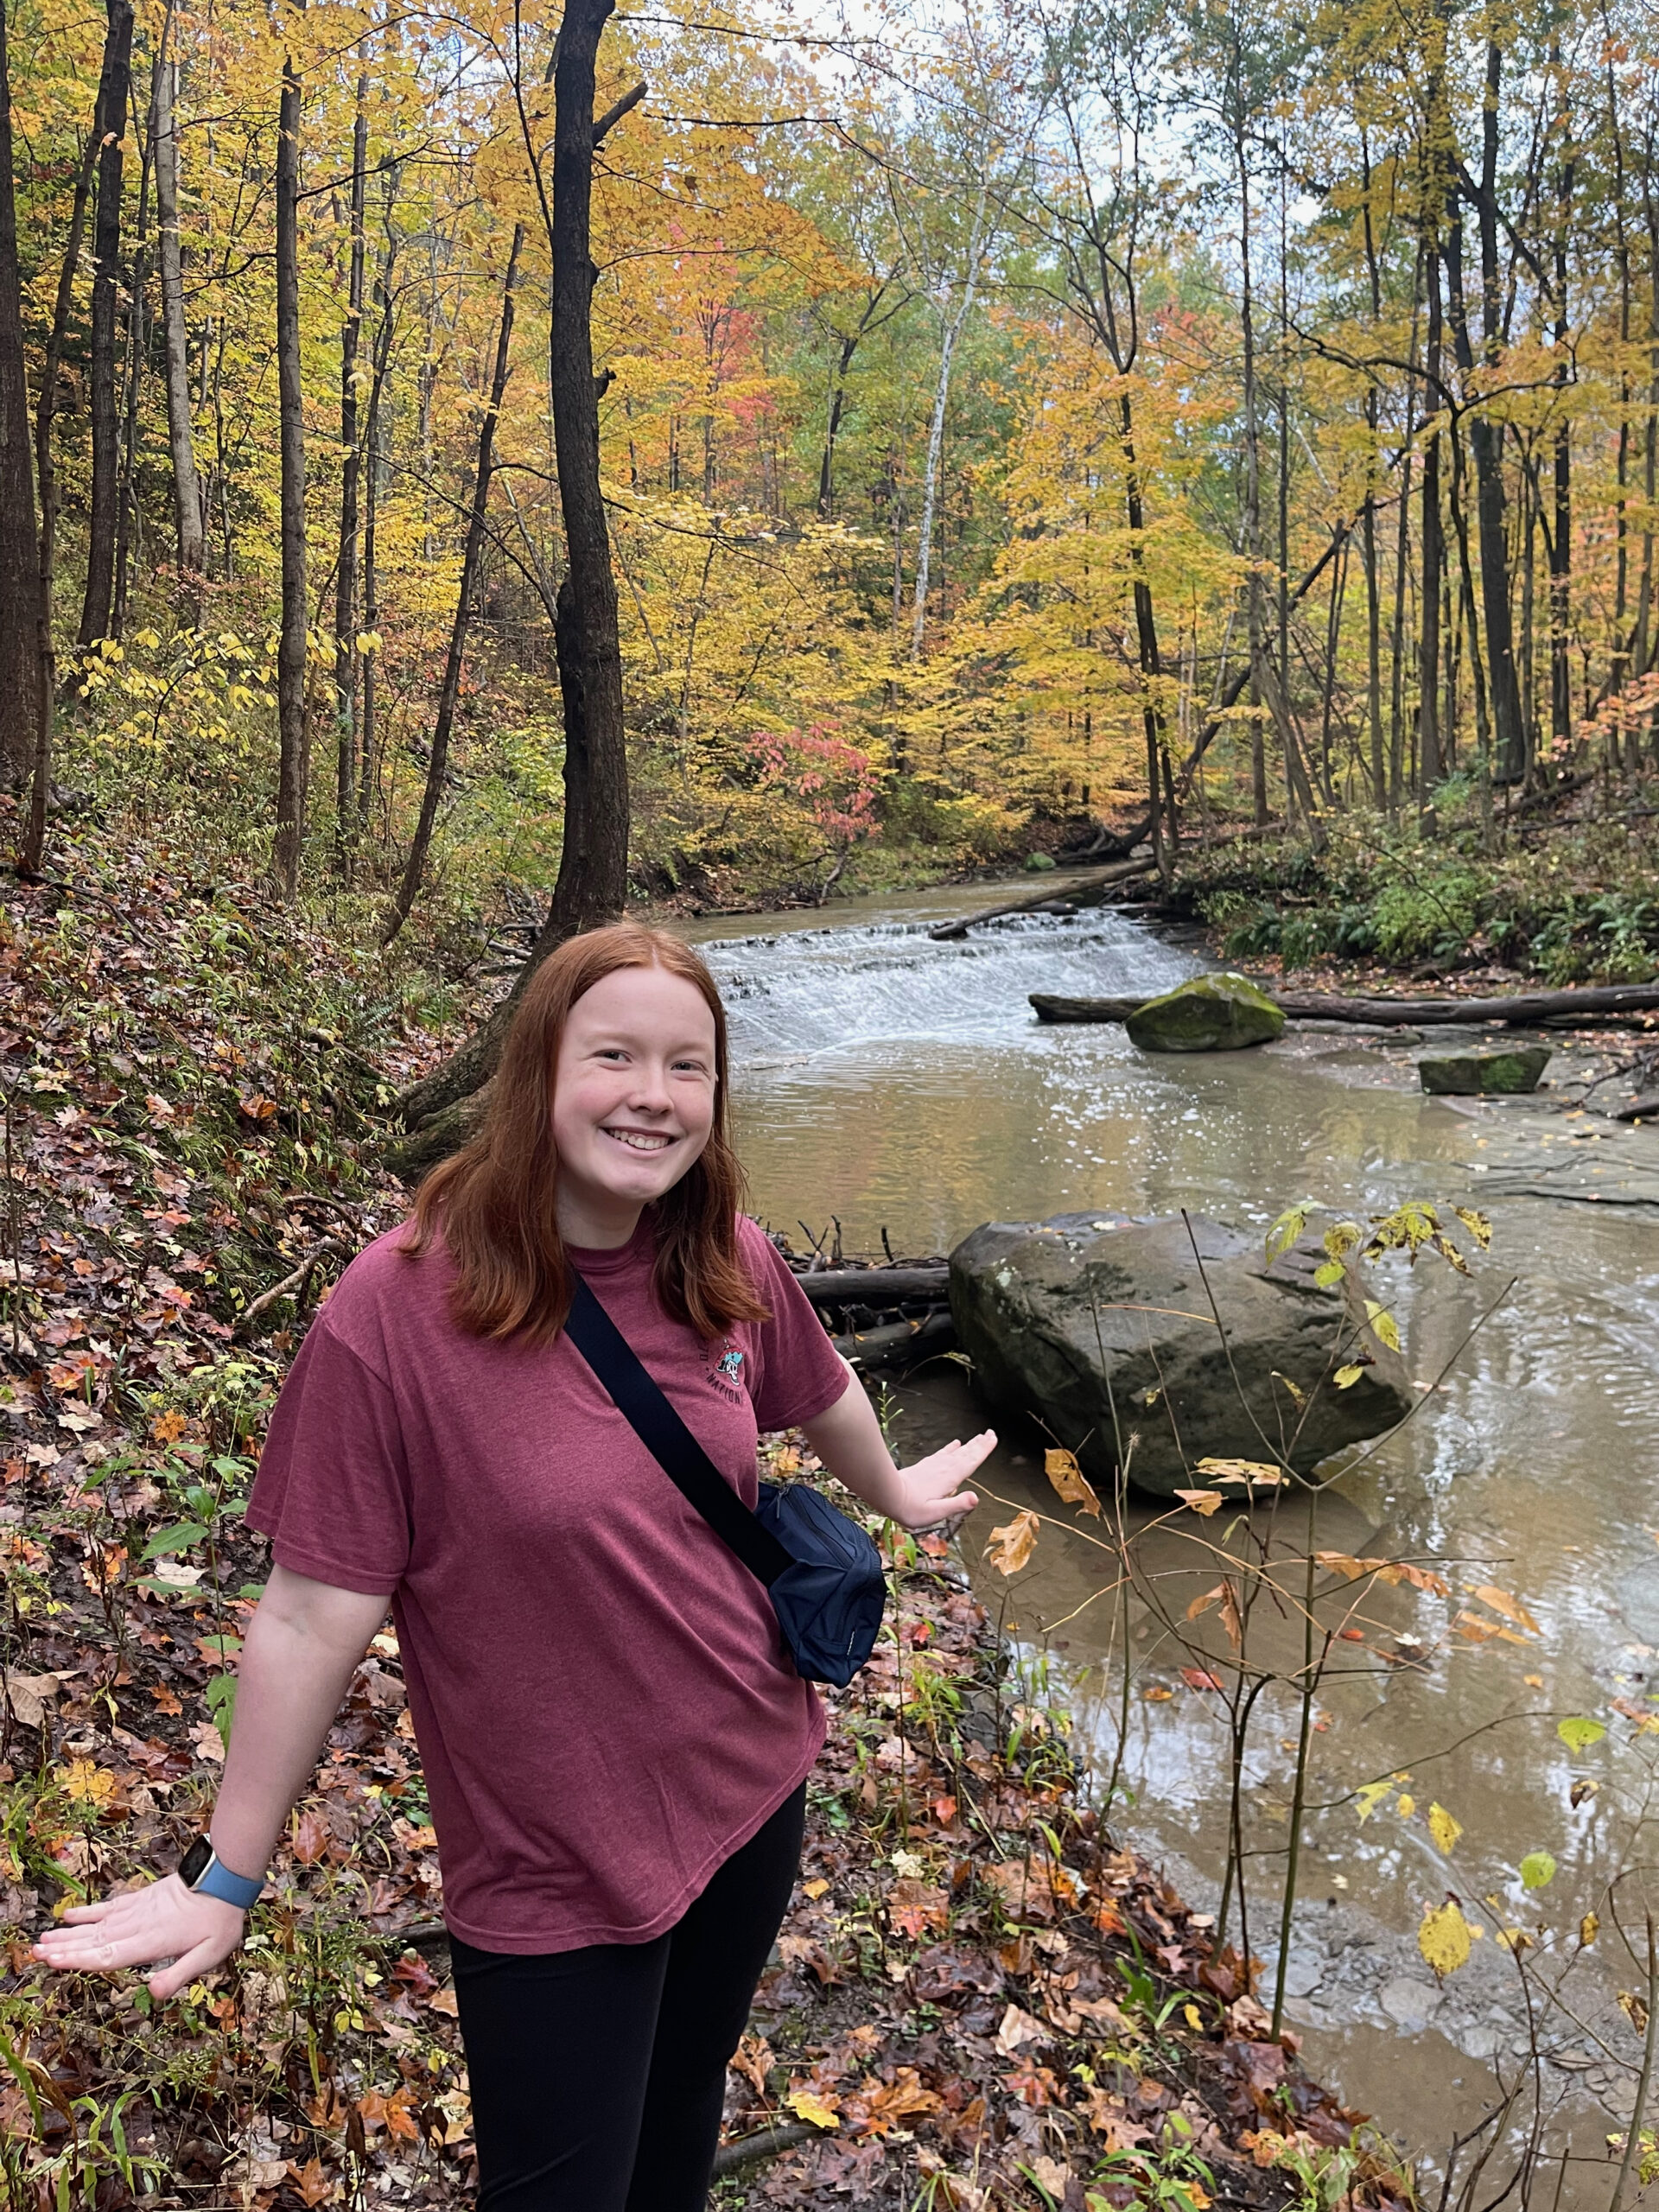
(818, 989)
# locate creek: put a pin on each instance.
(902, 1084)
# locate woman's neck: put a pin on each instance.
(594, 1221)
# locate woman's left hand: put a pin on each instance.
(932, 1490)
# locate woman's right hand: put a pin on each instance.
(162, 1921)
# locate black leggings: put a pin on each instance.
(598, 2077)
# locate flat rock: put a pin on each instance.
(1209, 1014)
(1407, 2002)
(1102, 1327)
(1473, 1075)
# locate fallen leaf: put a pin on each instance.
(1018, 2027)
(1444, 1829)
(444, 2000)
(28, 1694)
(1511, 1608)
(1253, 1474)
(1070, 1484)
(814, 2106)
(1011, 1545)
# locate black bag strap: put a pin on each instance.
(665, 1436)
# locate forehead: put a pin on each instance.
(643, 1001)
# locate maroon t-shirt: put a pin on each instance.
(603, 1704)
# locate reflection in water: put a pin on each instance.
(899, 1083)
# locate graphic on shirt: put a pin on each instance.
(728, 1370)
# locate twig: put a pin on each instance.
(323, 1249)
(767, 2143)
(1645, 2081)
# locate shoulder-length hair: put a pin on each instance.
(494, 1203)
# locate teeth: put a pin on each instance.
(638, 1140)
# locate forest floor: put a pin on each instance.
(978, 2001)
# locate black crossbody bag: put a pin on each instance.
(822, 1573)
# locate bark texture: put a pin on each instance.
(293, 760)
(114, 92)
(187, 484)
(22, 676)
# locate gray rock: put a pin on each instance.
(1209, 1014)
(1471, 1074)
(1481, 2042)
(1409, 2003)
(1101, 1325)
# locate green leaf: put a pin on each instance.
(178, 1538)
(221, 1703)
(1285, 1231)
(1578, 1732)
(1327, 1272)
(1345, 1377)
(1537, 1869)
(1382, 1325)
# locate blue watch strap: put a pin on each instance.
(216, 1881)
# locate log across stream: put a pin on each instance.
(1519, 1009)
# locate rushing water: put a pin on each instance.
(901, 1085)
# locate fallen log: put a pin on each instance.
(1520, 1009)
(875, 1287)
(900, 1341)
(1074, 893)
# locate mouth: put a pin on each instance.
(645, 1140)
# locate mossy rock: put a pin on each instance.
(1470, 1075)
(1211, 1014)
(1038, 863)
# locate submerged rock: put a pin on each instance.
(1467, 1075)
(1211, 1013)
(1102, 1327)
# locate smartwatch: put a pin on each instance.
(201, 1869)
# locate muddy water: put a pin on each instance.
(900, 1083)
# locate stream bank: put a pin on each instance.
(890, 1081)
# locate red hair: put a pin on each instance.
(493, 1203)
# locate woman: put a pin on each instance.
(614, 1743)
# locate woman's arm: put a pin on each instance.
(848, 1439)
(302, 1645)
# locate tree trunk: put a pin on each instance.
(23, 674)
(1561, 548)
(438, 763)
(594, 864)
(188, 521)
(350, 475)
(368, 766)
(1428, 625)
(1252, 492)
(293, 734)
(952, 327)
(1485, 444)
(129, 520)
(113, 92)
(837, 396)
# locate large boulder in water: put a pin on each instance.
(1101, 1327)
(1211, 1013)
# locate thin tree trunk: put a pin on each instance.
(1252, 494)
(189, 518)
(593, 862)
(1428, 627)
(1485, 444)
(113, 90)
(128, 516)
(292, 728)
(368, 766)
(1373, 581)
(952, 326)
(23, 710)
(438, 763)
(351, 471)
(1560, 549)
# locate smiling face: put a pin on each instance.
(634, 1099)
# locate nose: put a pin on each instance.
(651, 1093)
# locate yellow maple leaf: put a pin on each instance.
(1444, 1938)
(811, 2105)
